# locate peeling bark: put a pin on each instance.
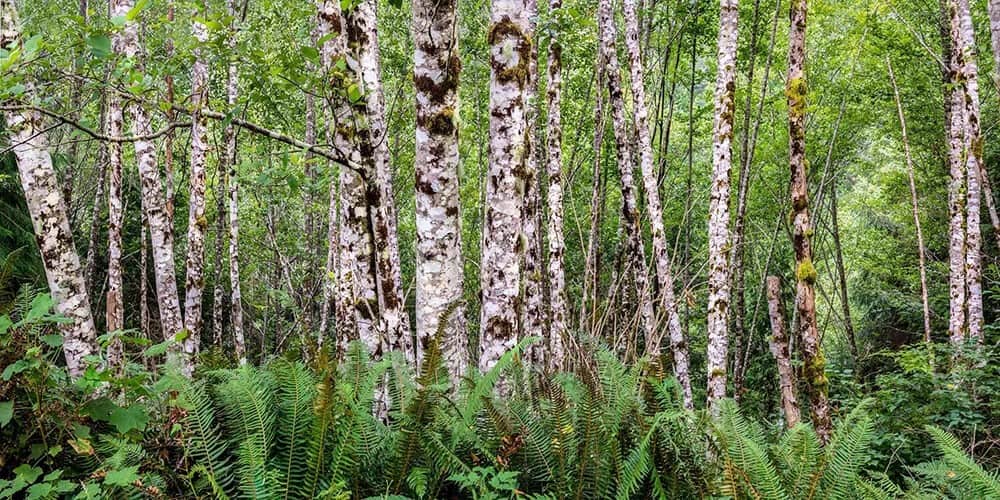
(814, 365)
(718, 221)
(116, 212)
(558, 332)
(49, 217)
(664, 276)
(439, 275)
(158, 213)
(503, 240)
(956, 187)
(532, 315)
(781, 352)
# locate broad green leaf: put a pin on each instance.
(100, 46)
(27, 472)
(157, 349)
(6, 412)
(123, 477)
(126, 419)
(53, 340)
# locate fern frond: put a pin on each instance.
(973, 479)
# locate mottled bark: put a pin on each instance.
(503, 242)
(116, 212)
(814, 365)
(781, 352)
(993, 7)
(558, 332)
(158, 213)
(954, 132)
(718, 210)
(532, 315)
(235, 297)
(218, 289)
(635, 250)
(439, 275)
(49, 216)
(194, 283)
(967, 75)
(666, 300)
(921, 252)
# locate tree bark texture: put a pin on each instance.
(557, 338)
(235, 297)
(781, 352)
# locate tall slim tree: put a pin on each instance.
(127, 44)
(966, 77)
(782, 354)
(194, 284)
(439, 274)
(116, 212)
(235, 294)
(49, 216)
(503, 246)
(557, 245)
(718, 210)
(664, 276)
(814, 366)
(921, 252)
(394, 323)
(955, 135)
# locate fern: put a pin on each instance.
(964, 471)
(203, 441)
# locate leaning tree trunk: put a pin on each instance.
(394, 324)
(921, 252)
(814, 369)
(664, 276)
(557, 245)
(636, 251)
(116, 208)
(718, 210)
(126, 43)
(194, 284)
(503, 245)
(966, 77)
(235, 297)
(439, 275)
(49, 217)
(781, 352)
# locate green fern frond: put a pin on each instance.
(972, 478)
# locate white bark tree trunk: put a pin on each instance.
(126, 42)
(533, 291)
(718, 218)
(115, 299)
(814, 369)
(236, 297)
(49, 217)
(781, 352)
(558, 332)
(503, 240)
(664, 276)
(194, 284)
(953, 97)
(967, 73)
(394, 323)
(439, 275)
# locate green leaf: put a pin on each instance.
(54, 340)
(309, 52)
(123, 477)
(5, 323)
(40, 490)
(6, 412)
(27, 472)
(126, 419)
(136, 10)
(100, 46)
(157, 349)
(354, 92)
(40, 307)
(15, 368)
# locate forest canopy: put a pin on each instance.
(499, 249)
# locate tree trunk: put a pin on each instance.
(665, 280)
(956, 186)
(439, 272)
(126, 42)
(814, 368)
(557, 244)
(636, 251)
(49, 217)
(218, 289)
(591, 272)
(116, 212)
(838, 258)
(718, 218)
(965, 76)
(194, 284)
(781, 352)
(916, 209)
(235, 298)
(394, 322)
(99, 204)
(503, 241)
